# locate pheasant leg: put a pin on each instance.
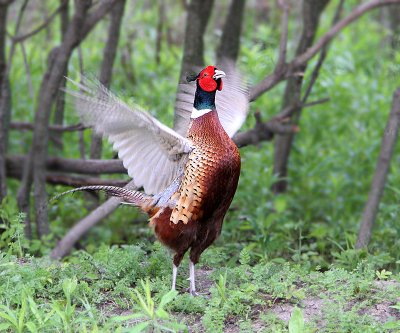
(174, 274)
(192, 288)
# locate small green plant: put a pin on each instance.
(296, 322)
(149, 317)
(40, 319)
(221, 287)
(15, 319)
(12, 225)
(66, 310)
(20, 319)
(383, 274)
(245, 257)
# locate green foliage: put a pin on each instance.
(12, 237)
(296, 322)
(151, 318)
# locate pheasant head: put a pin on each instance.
(208, 81)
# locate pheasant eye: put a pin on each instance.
(205, 74)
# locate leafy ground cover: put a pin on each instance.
(282, 264)
(126, 289)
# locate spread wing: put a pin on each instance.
(232, 102)
(151, 152)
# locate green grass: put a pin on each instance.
(276, 255)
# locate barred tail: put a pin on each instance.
(134, 198)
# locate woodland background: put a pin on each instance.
(311, 241)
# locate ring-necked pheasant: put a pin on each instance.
(189, 174)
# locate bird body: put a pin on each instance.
(200, 169)
(205, 192)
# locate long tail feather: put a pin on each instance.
(130, 197)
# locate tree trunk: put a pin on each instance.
(230, 40)
(109, 53)
(58, 62)
(4, 101)
(199, 12)
(312, 10)
(394, 21)
(79, 27)
(389, 139)
(56, 137)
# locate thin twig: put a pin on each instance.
(284, 35)
(12, 47)
(288, 111)
(45, 23)
(81, 136)
(28, 71)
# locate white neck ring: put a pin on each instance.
(198, 113)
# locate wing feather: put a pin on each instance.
(147, 147)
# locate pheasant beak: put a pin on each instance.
(218, 74)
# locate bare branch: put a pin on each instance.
(265, 131)
(288, 111)
(96, 15)
(84, 225)
(354, 15)
(57, 128)
(322, 56)
(68, 180)
(276, 77)
(70, 165)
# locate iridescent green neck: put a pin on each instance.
(204, 99)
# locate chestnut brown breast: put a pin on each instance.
(208, 185)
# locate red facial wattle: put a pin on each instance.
(206, 80)
(220, 84)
